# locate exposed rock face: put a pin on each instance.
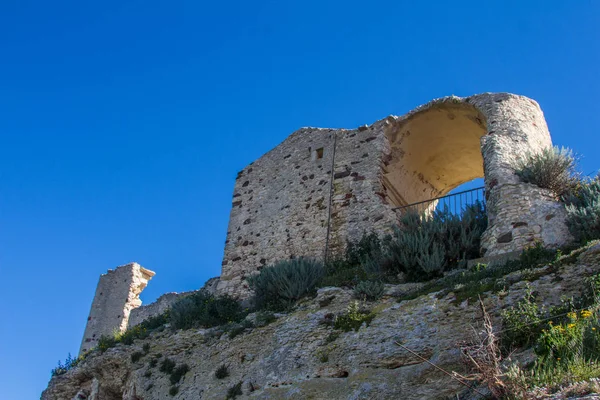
(322, 187)
(292, 357)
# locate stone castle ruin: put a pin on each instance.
(323, 187)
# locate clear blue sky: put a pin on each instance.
(123, 125)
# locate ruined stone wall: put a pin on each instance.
(280, 206)
(117, 294)
(164, 302)
(290, 203)
(360, 202)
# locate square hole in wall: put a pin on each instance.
(316, 154)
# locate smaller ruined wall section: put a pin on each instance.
(280, 207)
(116, 295)
(164, 302)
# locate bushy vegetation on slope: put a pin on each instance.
(556, 169)
(552, 168)
(421, 247)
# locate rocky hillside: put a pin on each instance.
(301, 355)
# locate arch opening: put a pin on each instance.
(433, 152)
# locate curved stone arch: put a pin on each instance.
(452, 140)
(433, 151)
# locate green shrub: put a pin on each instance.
(567, 352)
(369, 290)
(353, 318)
(146, 348)
(136, 356)
(235, 391)
(424, 246)
(222, 372)
(173, 390)
(552, 168)
(264, 318)
(340, 273)
(521, 324)
(566, 342)
(106, 342)
(153, 362)
(141, 331)
(136, 332)
(156, 321)
(470, 284)
(367, 246)
(178, 373)
(202, 309)
(360, 262)
(70, 363)
(277, 287)
(167, 365)
(332, 337)
(583, 211)
(536, 255)
(323, 355)
(235, 329)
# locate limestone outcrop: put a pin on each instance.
(298, 356)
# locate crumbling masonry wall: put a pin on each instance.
(117, 294)
(322, 187)
(164, 302)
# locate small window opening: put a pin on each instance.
(316, 154)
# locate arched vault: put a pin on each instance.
(434, 151)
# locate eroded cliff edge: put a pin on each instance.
(297, 357)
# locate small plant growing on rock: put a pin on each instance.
(521, 324)
(536, 255)
(156, 322)
(153, 362)
(70, 363)
(369, 290)
(323, 355)
(332, 337)
(234, 329)
(137, 332)
(222, 372)
(106, 342)
(178, 373)
(552, 168)
(583, 211)
(146, 348)
(173, 390)
(167, 365)
(235, 391)
(136, 356)
(264, 318)
(353, 318)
